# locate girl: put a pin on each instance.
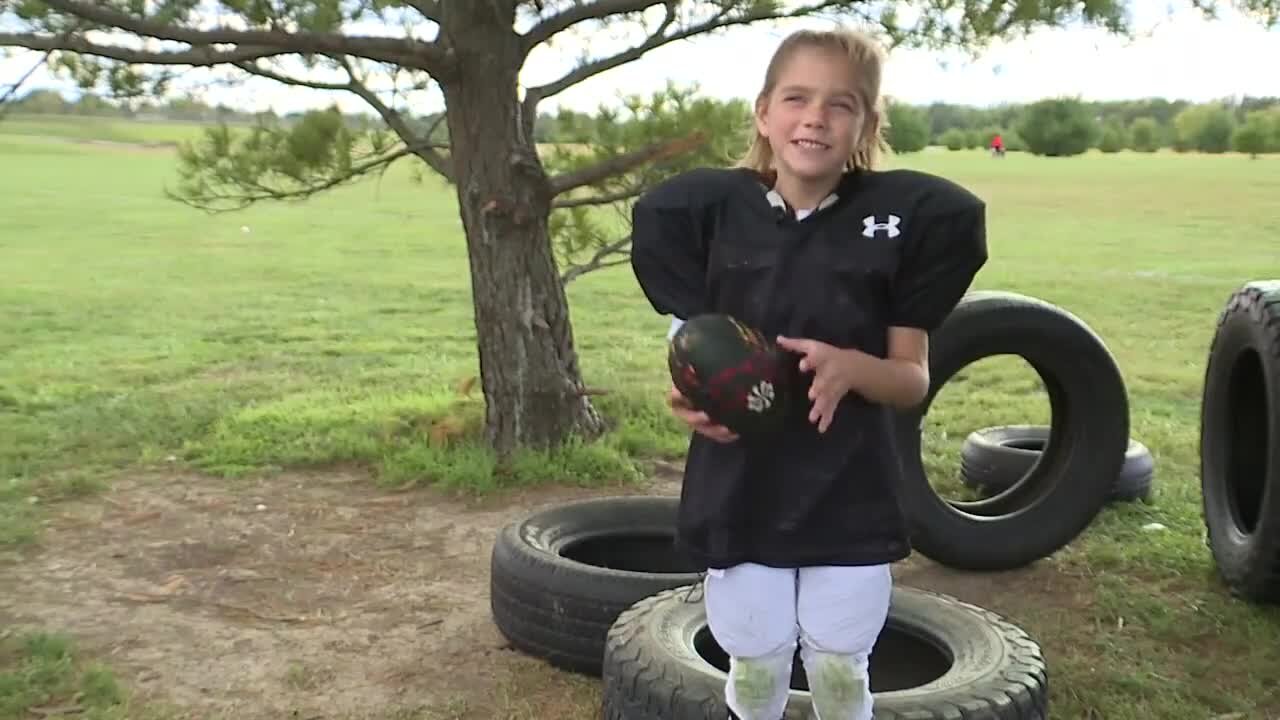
(851, 268)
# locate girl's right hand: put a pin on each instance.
(698, 420)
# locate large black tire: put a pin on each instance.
(560, 576)
(938, 659)
(994, 459)
(1089, 431)
(1240, 443)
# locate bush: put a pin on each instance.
(1013, 142)
(1114, 137)
(1206, 128)
(1058, 127)
(954, 139)
(908, 129)
(1144, 135)
(1258, 133)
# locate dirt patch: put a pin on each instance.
(318, 596)
(306, 596)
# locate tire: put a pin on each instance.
(1089, 433)
(994, 459)
(938, 659)
(1239, 456)
(560, 576)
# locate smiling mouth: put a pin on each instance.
(811, 144)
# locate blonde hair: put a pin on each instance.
(866, 64)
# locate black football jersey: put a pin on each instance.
(886, 248)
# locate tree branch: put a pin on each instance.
(429, 154)
(722, 19)
(430, 9)
(15, 87)
(242, 201)
(254, 69)
(599, 260)
(566, 19)
(415, 143)
(598, 199)
(431, 57)
(622, 163)
(196, 57)
(535, 95)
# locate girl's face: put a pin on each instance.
(813, 117)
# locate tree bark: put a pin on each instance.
(529, 371)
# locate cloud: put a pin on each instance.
(1178, 55)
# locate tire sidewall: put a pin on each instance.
(548, 531)
(989, 460)
(1231, 546)
(1087, 390)
(981, 655)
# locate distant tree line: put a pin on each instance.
(1051, 127)
(1068, 126)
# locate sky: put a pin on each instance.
(1177, 54)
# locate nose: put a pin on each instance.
(814, 116)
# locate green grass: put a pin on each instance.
(41, 675)
(75, 127)
(140, 332)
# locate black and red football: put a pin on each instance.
(734, 373)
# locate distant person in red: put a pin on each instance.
(997, 145)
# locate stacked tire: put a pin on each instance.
(560, 576)
(938, 658)
(594, 587)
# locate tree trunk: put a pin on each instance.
(529, 370)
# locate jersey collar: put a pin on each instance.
(765, 182)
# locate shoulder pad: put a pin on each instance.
(700, 186)
(926, 195)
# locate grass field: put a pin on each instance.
(138, 333)
(89, 128)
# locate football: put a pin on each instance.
(732, 372)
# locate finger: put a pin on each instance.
(799, 345)
(719, 433)
(693, 417)
(825, 422)
(818, 387)
(814, 360)
(676, 400)
(725, 435)
(821, 412)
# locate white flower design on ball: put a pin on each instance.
(760, 397)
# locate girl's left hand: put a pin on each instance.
(833, 375)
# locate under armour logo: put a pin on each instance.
(870, 226)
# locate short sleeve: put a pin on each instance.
(938, 266)
(669, 251)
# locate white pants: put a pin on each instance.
(758, 614)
